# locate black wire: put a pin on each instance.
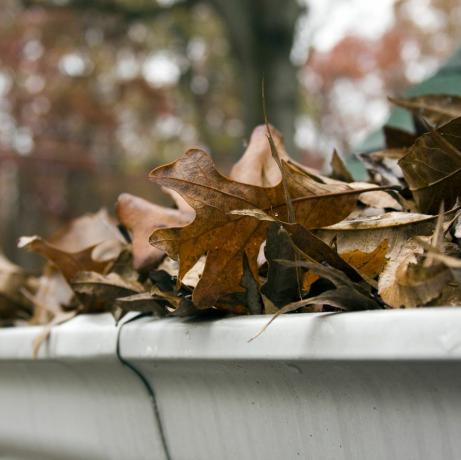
(146, 383)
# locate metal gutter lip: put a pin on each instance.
(84, 337)
(413, 334)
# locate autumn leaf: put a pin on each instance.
(141, 218)
(52, 295)
(347, 295)
(141, 302)
(376, 199)
(354, 295)
(275, 237)
(339, 170)
(97, 293)
(397, 138)
(437, 109)
(369, 264)
(68, 263)
(224, 237)
(257, 166)
(90, 243)
(89, 230)
(432, 168)
(368, 235)
(406, 282)
(13, 304)
(283, 283)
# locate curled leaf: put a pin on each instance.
(13, 282)
(437, 109)
(257, 166)
(142, 218)
(142, 302)
(68, 263)
(432, 167)
(339, 170)
(53, 294)
(406, 282)
(97, 293)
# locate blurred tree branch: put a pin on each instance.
(128, 11)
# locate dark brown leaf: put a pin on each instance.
(97, 293)
(339, 170)
(432, 168)
(437, 109)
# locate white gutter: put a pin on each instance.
(369, 385)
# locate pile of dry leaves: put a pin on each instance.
(272, 237)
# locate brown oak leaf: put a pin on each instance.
(226, 237)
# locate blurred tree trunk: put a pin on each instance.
(261, 35)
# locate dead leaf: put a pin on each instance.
(437, 109)
(369, 264)
(143, 302)
(406, 282)
(313, 249)
(432, 167)
(176, 304)
(283, 284)
(53, 293)
(376, 199)
(397, 138)
(87, 231)
(453, 263)
(181, 204)
(382, 166)
(89, 243)
(142, 218)
(68, 263)
(252, 297)
(224, 237)
(366, 235)
(339, 170)
(338, 298)
(97, 293)
(257, 166)
(191, 278)
(358, 297)
(13, 304)
(347, 295)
